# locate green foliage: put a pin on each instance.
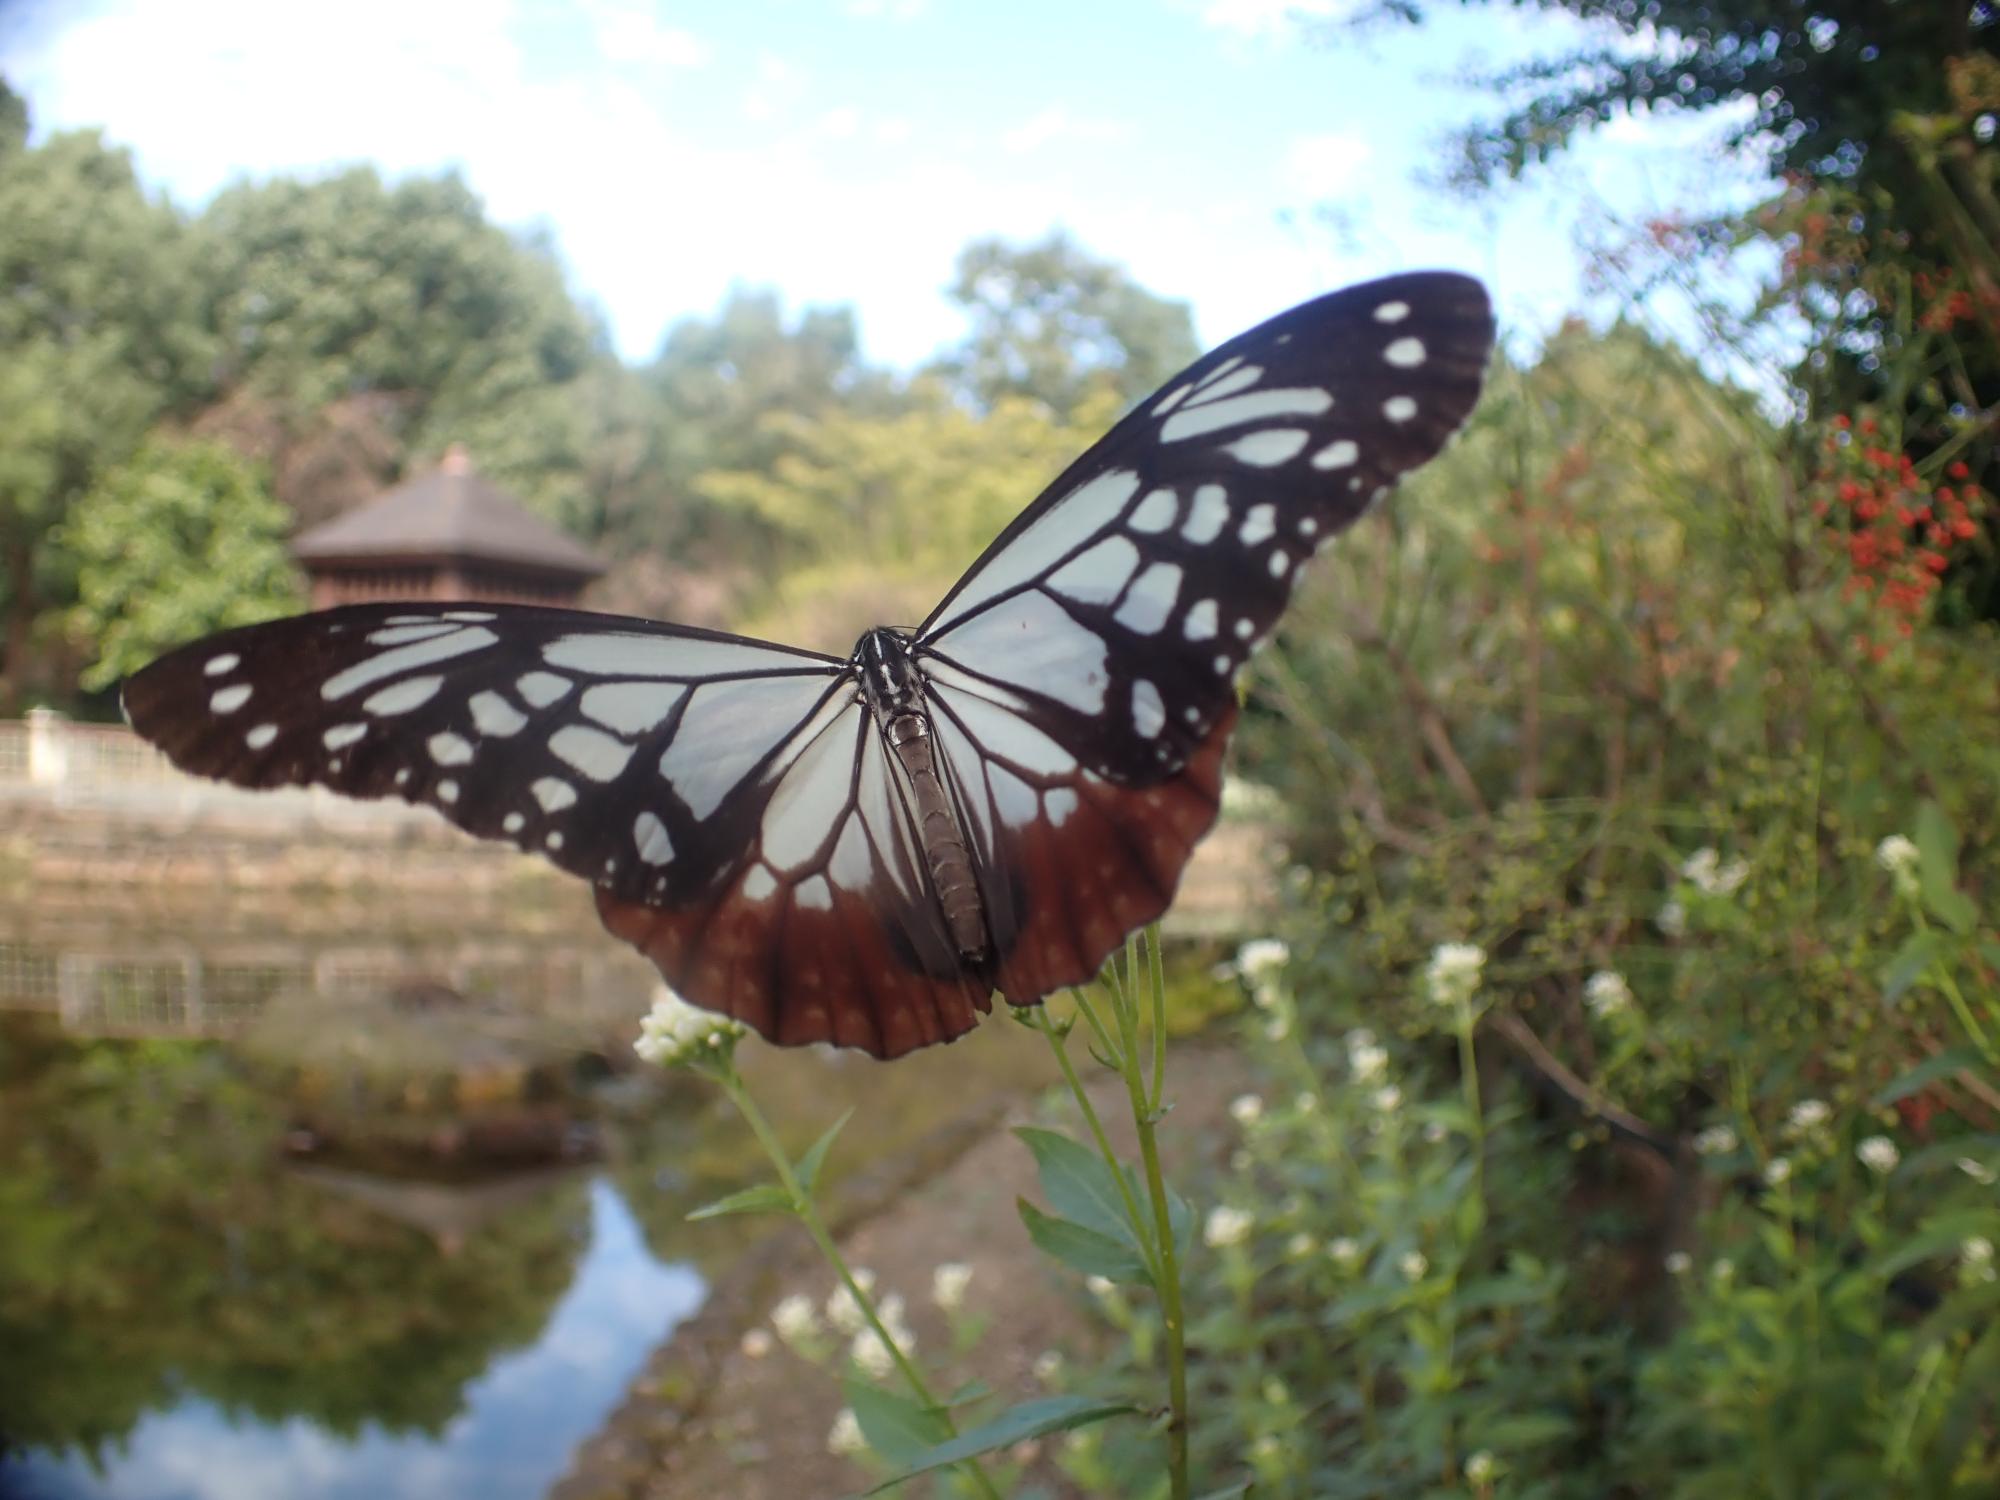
(179, 541)
(1053, 323)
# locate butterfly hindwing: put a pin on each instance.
(1116, 609)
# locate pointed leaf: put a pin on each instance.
(1925, 1073)
(1030, 1419)
(896, 1427)
(1937, 870)
(765, 1198)
(1908, 966)
(815, 1157)
(1078, 1184)
(1082, 1248)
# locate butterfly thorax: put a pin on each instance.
(894, 692)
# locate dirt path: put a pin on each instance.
(709, 1419)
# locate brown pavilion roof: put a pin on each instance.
(449, 513)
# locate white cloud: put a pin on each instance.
(886, 10)
(633, 31)
(1324, 165)
(777, 87)
(1056, 124)
(1269, 18)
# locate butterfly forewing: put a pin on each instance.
(1116, 609)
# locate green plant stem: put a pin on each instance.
(807, 1212)
(1145, 1117)
(1090, 1117)
(1468, 1068)
(1940, 974)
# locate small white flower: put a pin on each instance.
(1300, 1245)
(1607, 993)
(1731, 877)
(948, 1284)
(1715, 1140)
(1226, 1226)
(1978, 1171)
(1048, 1366)
(1705, 871)
(1900, 858)
(1452, 976)
(1779, 1172)
(1266, 1448)
(1387, 1098)
(1246, 1109)
(869, 1352)
(844, 1437)
(1413, 1264)
(756, 1342)
(1261, 958)
(1481, 1467)
(1977, 1256)
(1679, 1263)
(1099, 1286)
(795, 1318)
(674, 1033)
(1878, 1154)
(1724, 1268)
(1808, 1115)
(1672, 919)
(842, 1311)
(1367, 1062)
(1345, 1252)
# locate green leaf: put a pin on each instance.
(1082, 1248)
(1908, 966)
(1925, 1073)
(1030, 1419)
(810, 1163)
(1937, 871)
(765, 1198)
(1078, 1184)
(1180, 1216)
(896, 1427)
(1943, 1235)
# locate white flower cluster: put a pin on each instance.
(795, 1319)
(1367, 1060)
(1899, 856)
(948, 1284)
(1977, 1253)
(868, 1350)
(1345, 1252)
(1226, 1226)
(1808, 1116)
(844, 1439)
(1452, 976)
(1705, 871)
(1413, 1264)
(1262, 958)
(1879, 1154)
(1778, 1172)
(1481, 1468)
(1246, 1110)
(1679, 1263)
(1715, 1140)
(675, 1034)
(1607, 993)
(1978, 1171)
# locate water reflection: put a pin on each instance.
(514, 1429)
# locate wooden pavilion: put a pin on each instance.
(448, 535)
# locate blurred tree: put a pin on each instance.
(100, 333)
(1053, 323)
(358, 317)
(179, 541)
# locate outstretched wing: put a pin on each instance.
(1087, 661)
(727, 798)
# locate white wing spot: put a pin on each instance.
(554, 841)
(590, 751)
(1200, 622)
(542, 688)
(650, 835)
(1280, 560)
(494, 715)
(403, 658)
(1269, 448)
(815, 893)
(1013, 798)
(449, 749)
(1076, 517)
(1059, 802)
(447, 790)
(631, 707)
(1150, 601)
(342, 735)
(1399, 408)
(1308, 526)
(1155, 513)
(1149, 712)
(1260, 525)
(553, 793)
(513, 823)
(1221, 370)
(1336, 455)
(261, 736)
(1208, 515)
(1245, 628)
(1405, 354)
(1097, 575)
(1225, 380)
(401, 697)
(627, 653)
(758, 884)
(1172, 399)
(1212, 415)
(402, 635)
(217, 665)
(1191, 714)
(1222, 664)
(403, 776)
(468, 614)
(1031, 642)
(229, 699)
(1392, 312)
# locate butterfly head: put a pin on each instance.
(889, 677)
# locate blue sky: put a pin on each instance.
(844, 150)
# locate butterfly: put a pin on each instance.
(862, 850)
